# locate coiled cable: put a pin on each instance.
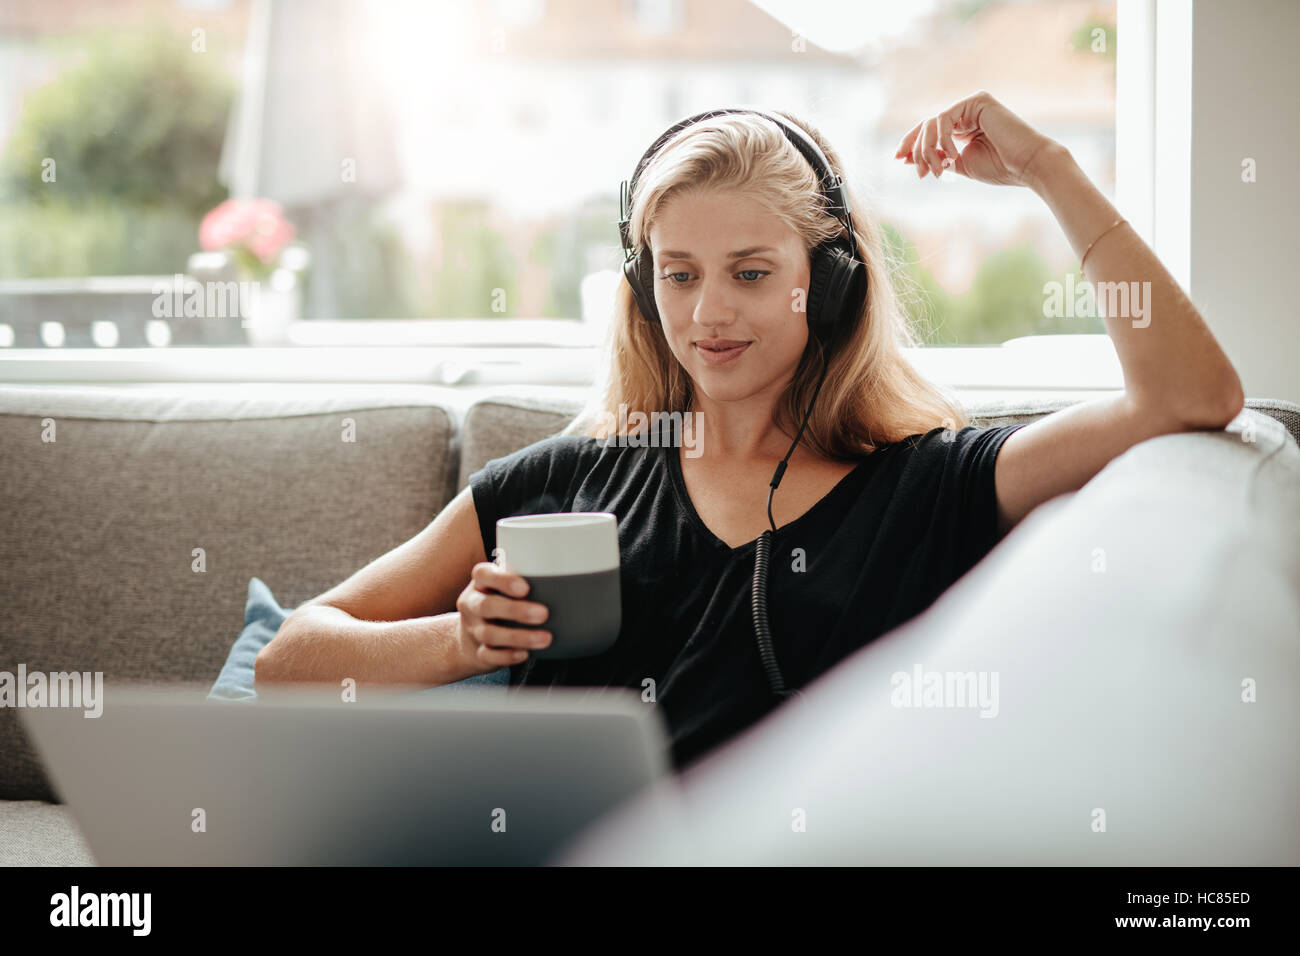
(761, 554)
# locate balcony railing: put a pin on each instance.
(107, 312)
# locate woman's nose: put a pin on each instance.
(714, 305)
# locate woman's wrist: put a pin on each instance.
(452, 652)
(1050, 163)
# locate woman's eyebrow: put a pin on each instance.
(740, 254)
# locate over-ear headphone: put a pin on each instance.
(837, 283)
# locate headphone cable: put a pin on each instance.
(761, 627)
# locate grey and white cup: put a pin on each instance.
(571, 563)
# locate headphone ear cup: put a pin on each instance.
(837, 286)
(640, 276)
(646, 266)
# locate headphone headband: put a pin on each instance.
(831, 186)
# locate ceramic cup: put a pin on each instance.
(571, 562)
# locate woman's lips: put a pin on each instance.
(721, 357)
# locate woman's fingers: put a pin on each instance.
(498, 637)
(924, 148)
(905, 144)
(487, 575)
(929, 147)
(494, 658)
(493, 596)
(946, 141)
(917, 157)
(511, 609)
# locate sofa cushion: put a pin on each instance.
(496, 426)
(36, 833)
(1145, 636)
(262, 619)
(102, 525)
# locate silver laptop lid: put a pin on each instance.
(301, 777)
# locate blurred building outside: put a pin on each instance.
(490, 138)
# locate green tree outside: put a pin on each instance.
(131, 138)
(1005, 299)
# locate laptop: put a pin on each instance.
(165, 777)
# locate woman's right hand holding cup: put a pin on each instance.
(493, 595)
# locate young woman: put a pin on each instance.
(889, 495)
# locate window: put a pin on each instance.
(427, 166)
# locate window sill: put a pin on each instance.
(1056, 364)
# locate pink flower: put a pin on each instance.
(258, 225)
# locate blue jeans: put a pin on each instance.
(493, 682)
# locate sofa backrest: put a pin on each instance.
(497, 425)
(133, 520)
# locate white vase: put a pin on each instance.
(273, 308)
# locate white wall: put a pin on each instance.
(1233, 242)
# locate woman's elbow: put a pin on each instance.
(268, 665)
(264, 666)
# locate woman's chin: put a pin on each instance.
(729, 390)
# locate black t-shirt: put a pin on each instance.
(878, 549)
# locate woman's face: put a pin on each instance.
(727, 269)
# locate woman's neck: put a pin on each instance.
(737, 433)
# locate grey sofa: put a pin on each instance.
(104, 526)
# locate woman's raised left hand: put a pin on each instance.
(1000, 148)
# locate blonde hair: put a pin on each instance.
(872, 395)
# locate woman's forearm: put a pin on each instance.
(322, 644)
(1170, 359)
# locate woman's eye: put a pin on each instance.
(748, 276)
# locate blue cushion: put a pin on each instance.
(262, 619)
